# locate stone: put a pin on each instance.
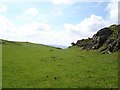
(106, 39)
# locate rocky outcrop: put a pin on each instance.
(105, 40)
(115, 46)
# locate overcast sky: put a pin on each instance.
(58, 22)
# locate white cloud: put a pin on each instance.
(69, 2)
(92, 24)
(3, 8)
(6, 27)
(57, 2)
(34, 32)
(24, 32)
(5, 24)
(71, 33)
(87, 27)
(34, 28)
(112, 9)
(30, 12)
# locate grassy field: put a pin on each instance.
(27, 65)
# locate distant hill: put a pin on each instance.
(49, 45)
(29, 43)
(106, 40)
(58, 46)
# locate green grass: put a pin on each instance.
(27, 65)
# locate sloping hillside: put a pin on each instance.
(28, 65)
(105, 40)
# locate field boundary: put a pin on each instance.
(0, 64)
